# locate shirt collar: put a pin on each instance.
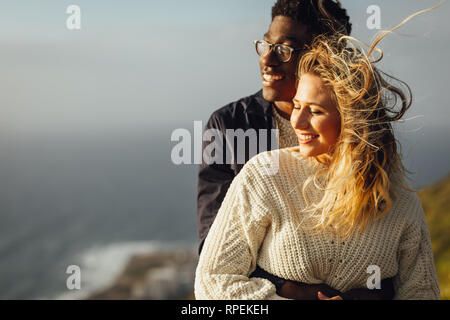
(262, 107)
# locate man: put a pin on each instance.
(294, 25)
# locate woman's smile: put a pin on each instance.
(307, 138)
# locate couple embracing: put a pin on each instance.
(338, 204)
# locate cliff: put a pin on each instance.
(436, 204)
(154, 276)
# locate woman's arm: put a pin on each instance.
(230, 251)
(416, 278)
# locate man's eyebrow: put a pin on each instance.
(288, 38)
(283, 38)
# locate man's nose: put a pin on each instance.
(269, 58)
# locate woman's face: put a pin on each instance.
(315, 117)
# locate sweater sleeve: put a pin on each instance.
(416, 278)
(230, 251)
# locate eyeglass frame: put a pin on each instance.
(272, 45)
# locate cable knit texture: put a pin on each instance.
(286, 134)
(261, 223)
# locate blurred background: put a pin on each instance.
(86, 118)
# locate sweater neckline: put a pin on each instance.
(295, 152)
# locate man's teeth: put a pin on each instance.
(303, 137)
(271, 77)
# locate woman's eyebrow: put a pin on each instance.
(296, 101)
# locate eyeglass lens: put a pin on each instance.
(282, 52)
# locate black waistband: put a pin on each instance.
(261, 273)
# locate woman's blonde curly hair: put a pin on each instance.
(365, 162)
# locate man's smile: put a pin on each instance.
(270, 78)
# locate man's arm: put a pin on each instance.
(302, 291)
(213, 183)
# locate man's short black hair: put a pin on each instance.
(321, 16)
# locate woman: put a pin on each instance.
(338, 210)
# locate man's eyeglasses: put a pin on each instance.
(282, 51)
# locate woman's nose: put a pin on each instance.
(299, 119)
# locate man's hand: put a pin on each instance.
(324, 297)
(303, 291)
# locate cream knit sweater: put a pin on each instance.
(260, 223)
(286, 134)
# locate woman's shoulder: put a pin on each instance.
(278, 167)
(276, 162)
(406, 202)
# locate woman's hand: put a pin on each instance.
(321, 296)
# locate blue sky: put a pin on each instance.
(97, 12)
(153, 64)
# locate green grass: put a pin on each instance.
(436, 204)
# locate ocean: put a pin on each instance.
(74, 199)
(94, 199)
